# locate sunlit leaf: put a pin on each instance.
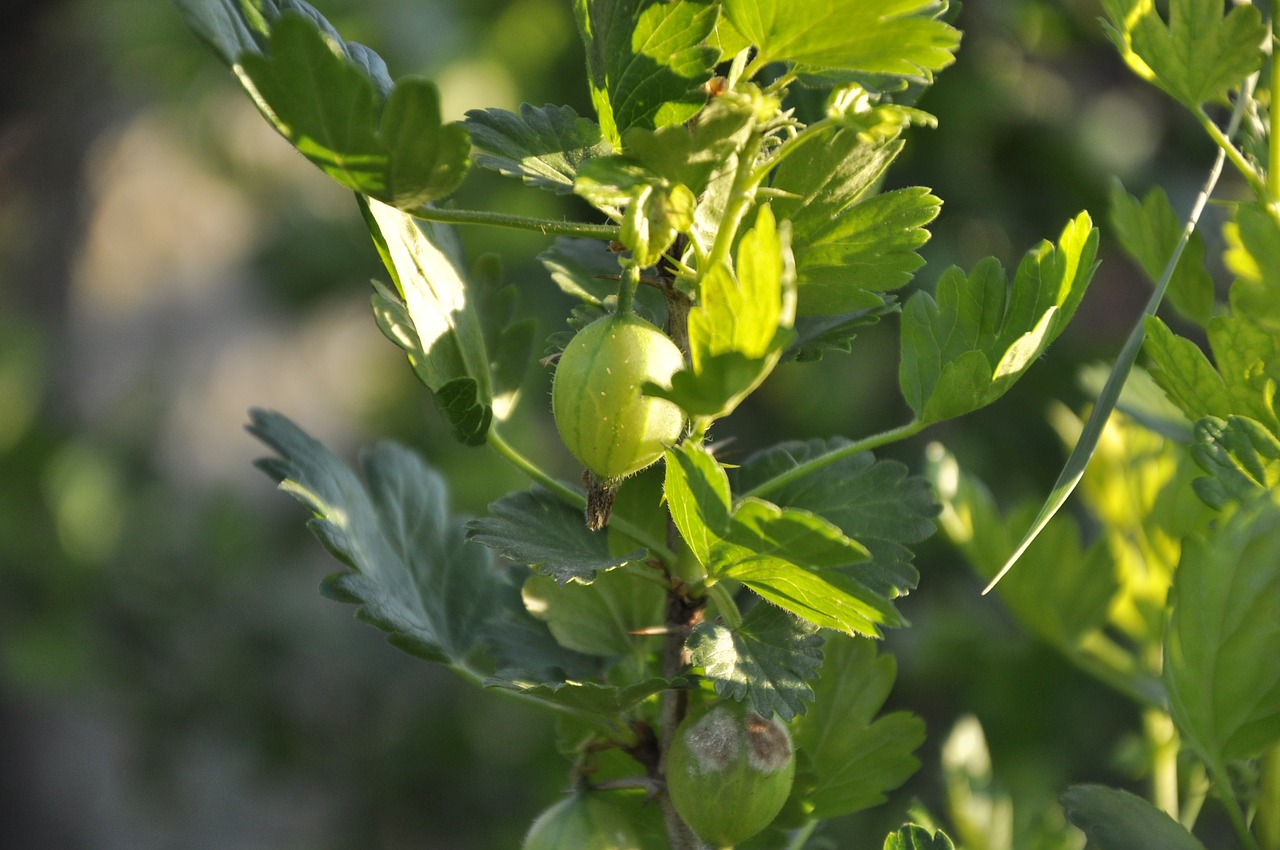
(1253, 256)
(879, 36)
(912, 837)
(768, 660)
(1241, 457)
(542, 145)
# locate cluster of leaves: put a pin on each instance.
(1174, 600)
(766, 237)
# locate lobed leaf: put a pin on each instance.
(849, 759)
(1149, 231)
(438, 324)
(913, 837)
(768, 660)
(334, 101)
(599, 619)
(817, 335)
(1198, 55)
(900, 37)
(1117, 820)
(646, 60)
(508, 339)
(413, 573)
(544, 146)
(965, 350)
(1223, 636)
(536, 528)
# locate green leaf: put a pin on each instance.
(1148, 231)
(849, 759)
(536, 528)
(439, 326)
(740, 326)
(768, 660)
(1241, 457)
(793, 558)
(598, 619)
(333, 101)
(1244, 382)
(509, 340)
(593, 697)
(1253, 256)
(965, 350)
(847, 262)
(877, 36)
(1118, 820)
(583, 268)
(874, 502)
(646, 60)
(1198, 56)
(543, 145)
(912, 837)
(817, 335)
(415, 576)
(1223, 637)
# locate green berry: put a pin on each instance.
(582, 821)
(729, 772)
(600, 411)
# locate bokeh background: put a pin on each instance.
(169, 676)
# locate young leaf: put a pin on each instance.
(793, 558)
(874, 502)
(334, 102)
(768, 660)
(1198, 56)
(1148, 230)
(1253, 256)
(740, 326)
(912, 837)
(535, 527)
(599, 619)
(1241, 457)
(878, 36)
(544, 146)
(1223, 636)
(1117, 820)
(1244, 382)
(414, 574)
(965, 350)
(443, 337)
(646, 61)
(850, 758)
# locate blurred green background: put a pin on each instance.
(169, 676)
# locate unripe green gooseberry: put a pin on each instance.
(602, 415)
(582, 821)
(729, 772)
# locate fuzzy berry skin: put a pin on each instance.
(600, 412)
(583, 821)
(729, 772)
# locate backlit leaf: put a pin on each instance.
(1241, 457)
(912, 837)
(1253, 256)
(543, 145)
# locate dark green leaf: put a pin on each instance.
(1254, 258)
(646, 60)
(1241, 457)
(544, 146)
(965, 350)
(850, 758)
(880, 36)
(536, 528)
(438, 325)
(912, 837)
(331, 99)
(583, 268)
(1149, 230)
(414, 575)
(1223, 637)
(768, 660)
(509, 340)
(1198, 55)
(598, 619)
(874, 502)
(1118, 820)
(816, 335)
(592, 697)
